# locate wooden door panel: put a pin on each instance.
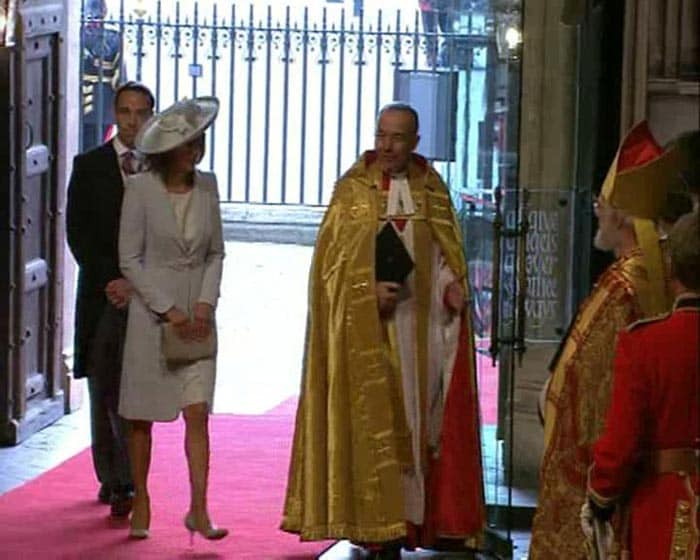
(31, 393)
(36, 248)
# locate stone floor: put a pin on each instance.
(261, 320)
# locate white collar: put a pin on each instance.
(400, 201)
(119, 146)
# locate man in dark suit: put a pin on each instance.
(92, 224)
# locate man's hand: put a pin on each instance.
(202, 324)
(454, 297)
(387, 294)
(118, 292)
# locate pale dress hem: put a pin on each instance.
(196, 382)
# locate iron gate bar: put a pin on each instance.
(305, 75)
(360, 63)
(323, 61)
(249, 113)
(159, 36)
(378, 60)
(231, 98)
(139, 41)
(396, 63)
(416, 40)
(285, 104)
(266, 129)
(214, 57)
(195, 50)
(341, 94)
(176, 44)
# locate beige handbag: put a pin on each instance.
(177, 350)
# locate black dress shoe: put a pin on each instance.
(388, 551)
(121, 503)
(387, 554)
(104, 496)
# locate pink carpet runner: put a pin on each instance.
(57, 515)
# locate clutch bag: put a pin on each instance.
(177, 350)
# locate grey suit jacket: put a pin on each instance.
(165, 271)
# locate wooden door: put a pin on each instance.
(31, 238)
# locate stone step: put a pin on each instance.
(271, 223)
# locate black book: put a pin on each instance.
(392, 262)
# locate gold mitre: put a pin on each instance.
(637, 183)
(638, 179)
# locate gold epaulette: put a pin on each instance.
(648, 320)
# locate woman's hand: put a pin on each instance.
(181, 323)
(202, 324)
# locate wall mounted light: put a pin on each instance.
(509, 36)
(513, 37)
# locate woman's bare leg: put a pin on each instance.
(140, 457)
(197, 450)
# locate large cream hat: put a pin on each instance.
(176, 125)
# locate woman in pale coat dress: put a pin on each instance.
(171, 249)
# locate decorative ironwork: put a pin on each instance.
(315, 78)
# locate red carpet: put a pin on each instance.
(487, 382)
(57, 515)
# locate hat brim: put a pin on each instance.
(156, 138)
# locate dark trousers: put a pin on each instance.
(109, 448)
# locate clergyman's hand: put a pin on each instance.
(387, 294)
(454, 297)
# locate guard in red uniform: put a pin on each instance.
(649, 453)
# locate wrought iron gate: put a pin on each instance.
(300, 88)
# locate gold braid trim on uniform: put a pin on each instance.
(351, 437)
(685, 535)
(577, 401)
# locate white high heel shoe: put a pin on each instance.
(210, 533)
